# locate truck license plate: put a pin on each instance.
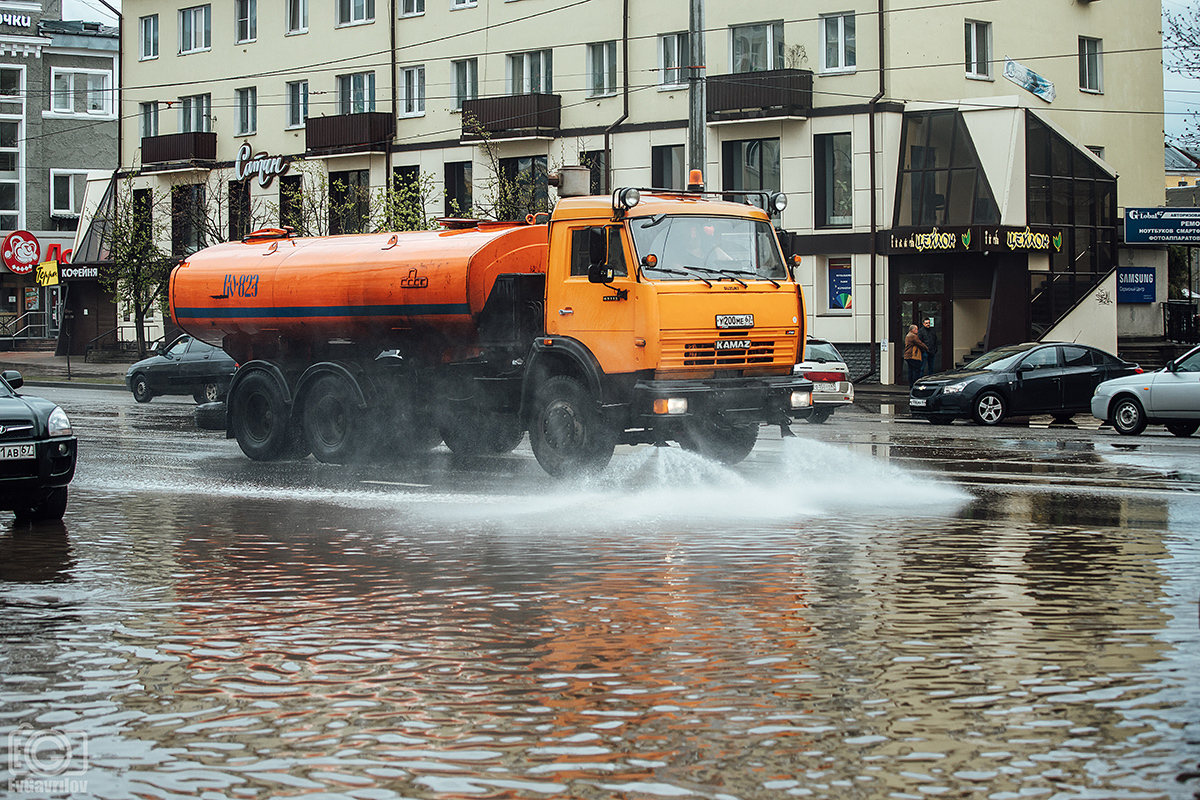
(12, 452)
(735, 321)
(732, 344)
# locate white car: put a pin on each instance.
(824, 366)
(1170, 396)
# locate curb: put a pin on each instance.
(75, 385)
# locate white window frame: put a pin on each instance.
(673, 46)
(246, 100)
(521, 82)
(841, 68)
(971, 39)
(297, 104)
(347, 89)
(455, 5)
(296, 13)
(411, 91)
(73, 77)
(774, 31)
(18, 181)
(245, 28)
(148, 37)
(602, 76)
(195, 113)
(1088, 76)
(466, 81)
(148, 119)
(76, 197)
(412, 8)
(201, 38)
(357, 12)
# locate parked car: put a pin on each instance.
(186, 366)
(825, 367)
(37, 453)
(1170, 397)
(1053, 378)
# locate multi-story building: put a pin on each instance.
(58, 121)
(954, 161)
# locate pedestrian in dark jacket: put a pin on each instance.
(930, 339)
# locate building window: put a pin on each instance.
(751, 165)
(597, 163)
(195, 29)
(247, 111)
(672, 58)
(462, 4)
(246, 14)
(291, 201)
(10, 157)
(978, 44)
(149, 38)
(602, 68)
(531, 73)
(195, 113)
(466, 81)
(524, 187)
(757, 48)
(837, 43)
(667, 169)
(297, 16)
(187, 219)
(66, 192)
(356, 93)
(1091, 65)
(458, 188)
(149, 117)
(353, 12)
(349, 201)
(297, 103)
(10, 82)
(412, 8)
(239, 209)
(833, 178)
(412, 92)
(941, 179)
(81, 92)
(840, 282)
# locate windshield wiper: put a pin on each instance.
(733, 275)
(669, 271)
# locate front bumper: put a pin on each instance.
(924, 403)
(24, 483)
(733, 401)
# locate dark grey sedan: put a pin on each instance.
(186, 366)
(37, 453)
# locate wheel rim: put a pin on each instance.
(211, 393)
(561, 426)
(990, 409)
(258, 419)
(330, 422)
(1126, 416)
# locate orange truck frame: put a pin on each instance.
(645, 317)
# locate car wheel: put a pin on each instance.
(728, 444)
(1128, 417)
(989, 408)
(1182, 428)
(141, 389)
(210, 416)
(262, 422)
(568, 433)
(819, 415)
(49, 510)
(333, 421)
(211, 393)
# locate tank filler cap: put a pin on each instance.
(572, 181)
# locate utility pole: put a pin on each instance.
(697, 131)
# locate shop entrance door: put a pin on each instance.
(922, 296)
(53, 310)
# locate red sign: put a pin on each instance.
(22, 252)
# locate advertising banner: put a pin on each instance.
(1029, 80)
(1162, 226)
(840, 287)
(1136, 284)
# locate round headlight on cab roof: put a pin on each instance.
(778, 201)
(630, 197)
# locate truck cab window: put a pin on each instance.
(580, 252)
(687, 246)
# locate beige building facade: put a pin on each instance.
(978, 178)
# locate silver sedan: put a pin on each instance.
(1170, 396)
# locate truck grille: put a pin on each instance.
(699, 349)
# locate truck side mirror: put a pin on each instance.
(598, 269)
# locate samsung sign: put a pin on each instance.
(1136, 284)
(1162, 226)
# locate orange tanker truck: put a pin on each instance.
(645, 317)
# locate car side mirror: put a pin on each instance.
(14, 378)
(599, 271)
(1026, 368)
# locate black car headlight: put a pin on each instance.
(954, 388)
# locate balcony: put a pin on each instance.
(759, 95)
(179, 147)
(512, 116)
(349, 133)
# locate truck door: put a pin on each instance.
(601, 316)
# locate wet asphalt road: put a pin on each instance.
(875, 608)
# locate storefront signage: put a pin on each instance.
(32, 299)
(17, 20)
(1136, 284)
(78, 273)
(22, 252)
(265, 166)
(974, 240)
(840, 287)
(1162, 226)
(1029, 80)
(47, 273)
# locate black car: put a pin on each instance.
(37, 453)
(1019, 380)
(186, 366)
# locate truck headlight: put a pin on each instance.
(671, 405)
(801, 399)
(59, 424)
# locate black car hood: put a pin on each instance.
(953, 376)
(21, 409)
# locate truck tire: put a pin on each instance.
(262, 420)
(567, 432)
(478, 433)
(210, 416)
(728, 444)
(141, 389)
(333, 422)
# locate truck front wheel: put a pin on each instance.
(332, 421)
(481, 433)
(729, 444)
(568, 433)
(261, 420)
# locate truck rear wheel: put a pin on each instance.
(262, 420)
(568, 433)
(333, 421)
(474, 433)
(728, 444)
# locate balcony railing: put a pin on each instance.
(195, 146)
(512, 116)
(349, 133)
(758, 95)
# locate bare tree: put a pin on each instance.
(1181, 40)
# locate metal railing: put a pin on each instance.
(1179, 321)
(99, 342)
(30, 325)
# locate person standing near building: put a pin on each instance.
(930, 339)
(913, 350)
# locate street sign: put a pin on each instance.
(1162, 226)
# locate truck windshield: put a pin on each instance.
(706, 248)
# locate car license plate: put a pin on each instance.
(825, 387)
(12, 452)
(732, 344)
(735, 320)
(916, 402)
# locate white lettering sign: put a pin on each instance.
(19, 20)
(266, 167)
